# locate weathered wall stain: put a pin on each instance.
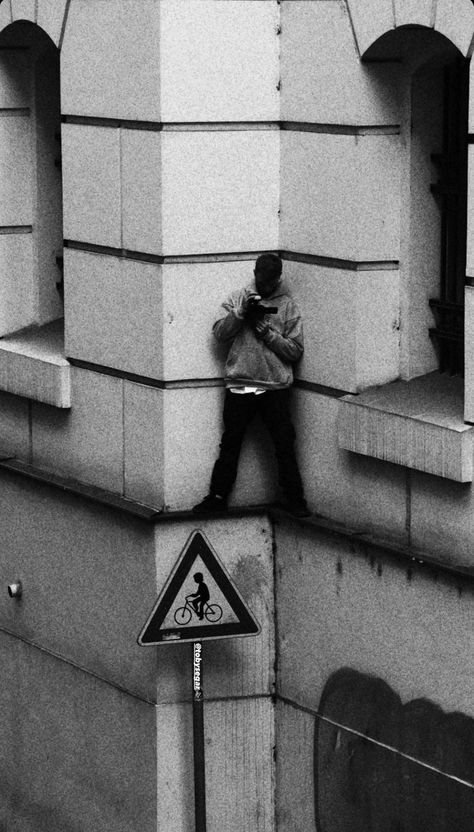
(362, 787)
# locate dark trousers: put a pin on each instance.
(274, 410)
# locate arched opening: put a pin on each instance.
(433, 91)
(30, 167)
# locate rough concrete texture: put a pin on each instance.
(91, 184)
(16, 292)
(239, 738)
(370, 20)
(442, 519)
(83, 581)
(363, 493)
(51, 18)
(220, 191)
(323, 80)
(294, 771)
(14, 426)
(24, 10)
(114, 312)
(239, 37)
(75, 752)
(351, 325)
(326, 179)
(15, 171)
(86, 442)
(341, 604)
(110, 60)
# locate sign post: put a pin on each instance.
(199, 601)
(198, 741)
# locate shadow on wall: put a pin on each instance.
(363, 787)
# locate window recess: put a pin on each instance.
(451, 193)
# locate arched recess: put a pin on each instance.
(30, 169)
(428, 42)
(454, 19)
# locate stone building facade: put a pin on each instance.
(150, 150)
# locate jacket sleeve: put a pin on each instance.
(289, 344)
(227, 327)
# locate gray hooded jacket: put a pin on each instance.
(265, 362)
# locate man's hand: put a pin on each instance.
(260, 328)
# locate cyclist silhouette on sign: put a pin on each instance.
(201, 597)
(198, 602)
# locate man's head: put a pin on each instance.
(268, 268)
(198, 577)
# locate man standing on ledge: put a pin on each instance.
(263, 327)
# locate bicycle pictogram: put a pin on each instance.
(183, 615)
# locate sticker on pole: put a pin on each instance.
(199, 601)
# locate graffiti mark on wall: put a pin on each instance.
(362, 787)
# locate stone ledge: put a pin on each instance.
(32, 365)
(418, 424)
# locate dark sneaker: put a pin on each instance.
(211, 505)
(297, 508)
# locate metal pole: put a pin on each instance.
(198, 740)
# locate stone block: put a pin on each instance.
(414, 12)
(32, 365)
(14, 426)
(110, 60)
(144, 451)
(294, 790)
(341, 195)
(192, 430)
(91, 184)
(192, 298)
(234, 667)
(141, 191)
(455, 20)
(220, 191)
(17, 288)
(345, 606)
(350, 324)
(370, 20)
(211, 69)
(323, 79)
(51, 17)
(15, 89)
(114, 312)
(5, 14)
(72, 747)
(417, 424)
(239, 766)
(24, 10)
(85, 443)
(363, 493)
(15, 171)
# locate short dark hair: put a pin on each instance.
(269, 265)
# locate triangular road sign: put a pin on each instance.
(199, 601)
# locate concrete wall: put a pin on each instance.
(94, 725)
(380, 648)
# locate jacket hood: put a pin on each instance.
(281, 290)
